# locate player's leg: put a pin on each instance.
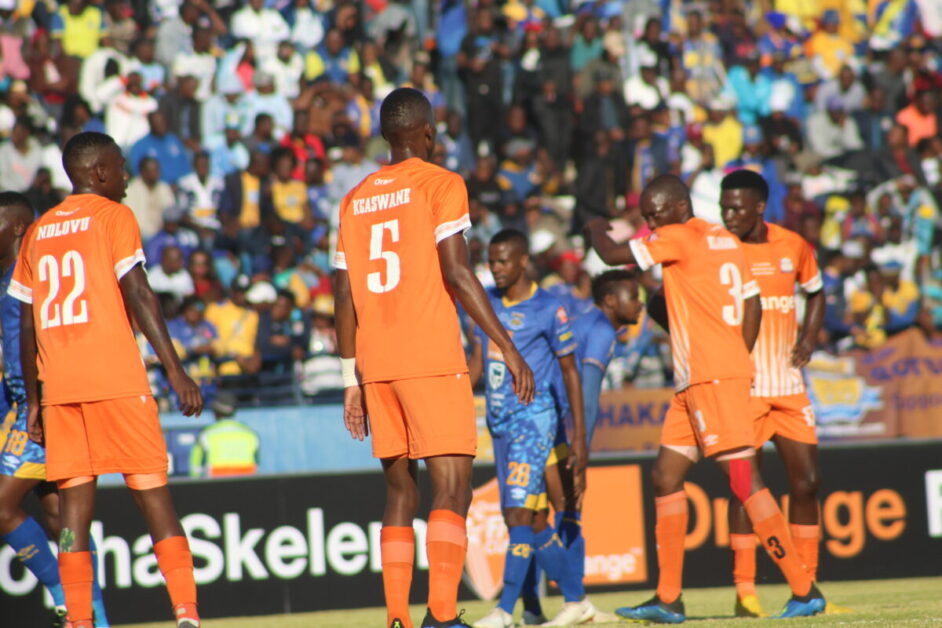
(152, 496)
(397, 538)
(801, 465)
(440, 427)
(27, 538)
(742, 542)
(77, 507)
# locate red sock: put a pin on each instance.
(744, 563)
(669, 533)
(176, 564)
(446, 542)
(397, 545)
(76, 575)
(769, 524)
(807, 538)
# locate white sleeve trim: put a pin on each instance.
(340, 260)
(814, 284)
(448, 229)
(20, 292)
(124, 266)
(750, 289)
(642, 255)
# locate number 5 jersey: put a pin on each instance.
(69, 266)
(390, 228)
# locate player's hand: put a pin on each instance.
(577, 463)
(354, 412)
(34, 425)
(801, 353)
(522, 375)
(188, 392)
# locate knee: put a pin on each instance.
(805, 486)
(665, 482)
(9, 512)
(403, 495)
(518, 517)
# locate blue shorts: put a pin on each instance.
(522, 445)
(561, 441)
(19, 456)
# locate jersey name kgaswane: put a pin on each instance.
(380, 202)
(66, 227)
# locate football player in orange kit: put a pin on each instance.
(79, 275)
(714, 316)
(401, 260)
(779, 259)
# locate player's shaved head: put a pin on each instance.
(666, 201)
(16, 214)
(95, 165)
(508, 257)
(606, 283)
(403, 114)
(515, 238)
(746, 180)
(15, 206)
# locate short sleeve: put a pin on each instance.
(449, 198)
(599, 347)
(340, 256)
(562, 340)
(21, 284)
(750, 287)
(125, 242)
(661, 247)
(809, 275)
(57, 27)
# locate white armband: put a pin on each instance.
(348, 368)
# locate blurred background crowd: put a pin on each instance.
(244, 122)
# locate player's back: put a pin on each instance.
(595, 338)
(69, 266)
(706, 280)
(778, 265)
(390, 227)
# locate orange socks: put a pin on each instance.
(744, 563)
(176, 564)
(76, 574)
(769, 524)
(806, 538)
(446, 543)
(397, 546)
(669, 533)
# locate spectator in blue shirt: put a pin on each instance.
(751, 90)
(163, 146)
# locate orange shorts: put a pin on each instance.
(422, 417)
(111, 436)
(791, 416)
(713, 416)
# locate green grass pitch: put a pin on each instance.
(913, 602)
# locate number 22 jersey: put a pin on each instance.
(69, 266)
(706, 280)
(390, 228)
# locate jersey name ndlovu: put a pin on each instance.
(66, 227)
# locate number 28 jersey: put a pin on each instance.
(390, 227)
(68, 268)
(706, 280)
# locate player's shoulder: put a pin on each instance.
(550, 304)
(432, 175)
(780, 235)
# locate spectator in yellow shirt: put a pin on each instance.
(78, 27)
(236, 326)
(723, 131)
(827, 49)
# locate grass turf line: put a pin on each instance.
(912, 603)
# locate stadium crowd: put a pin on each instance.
(245, 123)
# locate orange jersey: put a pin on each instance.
(390, 227)
(69, 265)
(785, 260)
(706, 280)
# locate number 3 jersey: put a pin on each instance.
(68, 268)
(541, 332)
(390, 227)
(706, 280)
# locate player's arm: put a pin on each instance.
(345, 317)
(453, 255)
(591, 376)
(611, 252)
(30, 373)
(579, 458)
(751, 320)
(815, 305)
(657, 309)
(143, 304)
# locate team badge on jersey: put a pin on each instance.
(787, 265)
(516, 320)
